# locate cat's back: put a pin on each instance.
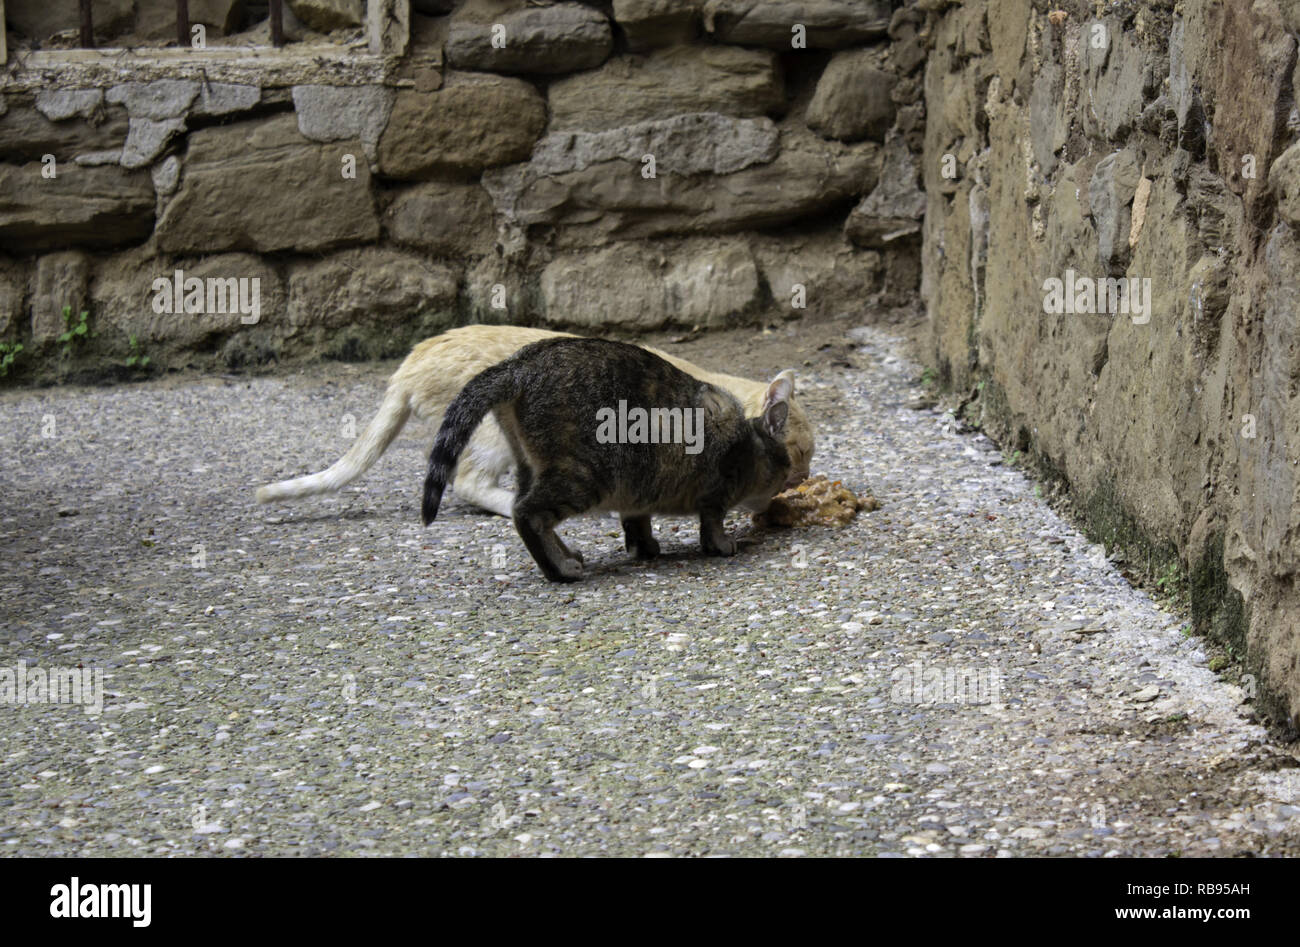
(562, 380)
(439, 367)
(592, 369)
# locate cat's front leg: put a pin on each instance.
(638, 537)
(713, 538)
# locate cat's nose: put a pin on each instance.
(793, 482)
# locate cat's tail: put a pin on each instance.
(374, 440)
(485, 391)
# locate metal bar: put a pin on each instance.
(87, 26)
(182, 23)
(277, 23)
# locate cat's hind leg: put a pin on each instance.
(572, 551)
(483, 492)
(524, 480)
(484, 462)
(638, 537)
(547, 500)
(537, 530)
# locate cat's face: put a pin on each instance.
(761, 498)
(798, 432)
(799, 444)
(774, 467)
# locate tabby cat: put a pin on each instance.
(595, 425)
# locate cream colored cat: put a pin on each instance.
(435, 372)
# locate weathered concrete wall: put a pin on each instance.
(1154, 141)
(636, 164)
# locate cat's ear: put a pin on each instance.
(781, 389)
(776, 403)
(774, 419)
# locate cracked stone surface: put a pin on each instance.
(960, 673)
(146, 139)
(57, 105)
(164, 98)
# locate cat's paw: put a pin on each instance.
(571, 551)
(722, 546)
(647, 548)
(569, 569)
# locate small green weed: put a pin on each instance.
(8, 354)
(76, 330)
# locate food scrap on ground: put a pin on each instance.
(816, 502)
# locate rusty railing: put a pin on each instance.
(182, 23)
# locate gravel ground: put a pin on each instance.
(330, 678)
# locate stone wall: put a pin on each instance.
(1154, 141)
(632, 165)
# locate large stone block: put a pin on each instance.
(473, 122)
(574, 290)
(907, 44)
(712, 284)
(852, 100)
(1253, 95)
(892, 212)
(336, 113)
(261, 186)
(695, 143)
(498, 291)
(826, 24)
(61, 104)
(1110, 193)
(163, 98)
(816, 272)
(1118, 78)
(13, 294)
(225, 98)
(514, 37)
(1048, 123)
(738, 82)
(1184, 95)
(80, 207)
(443, 218)
(128, 302)
(1284, 177)
(60, 282)
(612, 200)
(699, 282)
(651, 23)
(27, 135)
(370, 285)
(146, 140)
